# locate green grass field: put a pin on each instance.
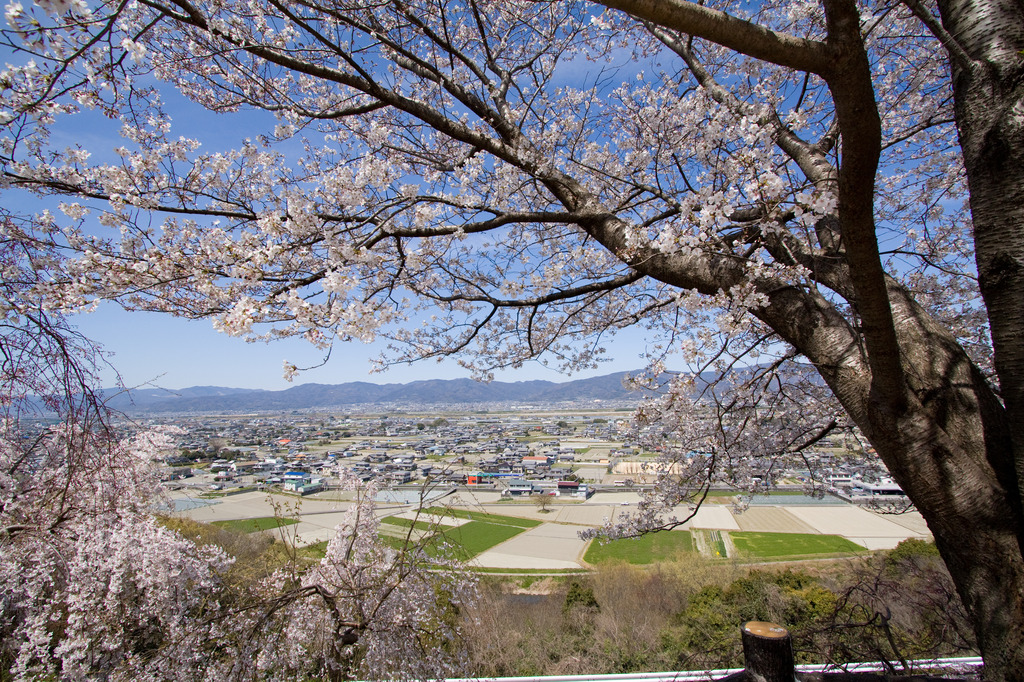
(255, 525)
(647, 549)
(316, 551)
(410, 523)
(466, 541)
(775, 545)
(475, 537)
(480, 516)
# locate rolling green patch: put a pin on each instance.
(486, 518)
(462, 542)
(647, 549)
(475, 537)
(255, 525)
(774, 545)
(316, 551)
(411, 523)
(395, 542)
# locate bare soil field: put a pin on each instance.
(771, 520)
(715, 518)
(853, 523)
(911, 521)
(256, 504)
(549, 546)
(590, 514)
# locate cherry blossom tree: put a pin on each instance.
(95, 586)
(786, 186)
(367, 610)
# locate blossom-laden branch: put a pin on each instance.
(460, 115)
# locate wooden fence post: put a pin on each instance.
(767, 652)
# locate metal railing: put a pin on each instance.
(968, 663)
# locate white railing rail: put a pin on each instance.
(960, 665)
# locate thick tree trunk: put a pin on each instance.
(950, 450)
(988, 86)
(951, 443)
(986, 40)
(931, 416)
(975, 527)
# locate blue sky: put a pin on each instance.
(160, 350)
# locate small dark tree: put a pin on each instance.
(543, 502)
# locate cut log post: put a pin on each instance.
(767, 652)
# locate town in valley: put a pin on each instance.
(570, 468)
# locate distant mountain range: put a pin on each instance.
(605, 388)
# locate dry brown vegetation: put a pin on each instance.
(686, 614)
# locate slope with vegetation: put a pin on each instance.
(685, 613)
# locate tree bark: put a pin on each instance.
(989, 97)
(988, 92)
(767, 652)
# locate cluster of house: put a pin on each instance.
(517, 487)
(856, 488)
(551, 462)
(518, 471)
(516, 454)
(294, 476)
(395, 469)
(507, 464)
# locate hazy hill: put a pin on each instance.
(431, 392)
